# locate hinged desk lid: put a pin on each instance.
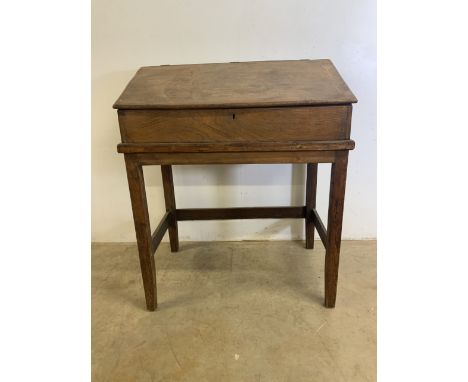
(231, 85)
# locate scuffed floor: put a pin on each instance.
(234, 311)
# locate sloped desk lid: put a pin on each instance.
(234, 85)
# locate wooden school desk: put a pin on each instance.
(249, 112)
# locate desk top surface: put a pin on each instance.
(231, 85)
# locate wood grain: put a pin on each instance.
(243, 84)
(160, 231)
(311, 195)
(241, 213)
(169, 198)
(136, 185)
(201, 147)
(242, 125)
(335, 221)
(267, 157)
(322, 231)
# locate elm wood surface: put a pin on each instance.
(320, 227)
(159, 232)
(258, 112)
(232, 85)
(169, 197)
(136, 184)
(244, 125)
(250, 157)
(335, 220)
(234, 147)
(241, 213)
(311, 196)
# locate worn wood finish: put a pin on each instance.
(347, 132)
(241, 213)
(136, 185)
(322, 231)
(335, 220)
(169, 197)
(228, 125)
(199, 147)
(267, 157)
(237, 113)
(242, 84)
(311, 195)
(160, 231)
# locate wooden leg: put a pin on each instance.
(136, 185)
(335, 220)
(311, 195)
(169, 196)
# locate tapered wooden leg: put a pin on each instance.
(311, 196)
(169, 196)
(335, 220)
(136, 185)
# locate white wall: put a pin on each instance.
(129, 34)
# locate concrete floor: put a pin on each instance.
(234, 311)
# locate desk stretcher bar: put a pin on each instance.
(191, 214)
